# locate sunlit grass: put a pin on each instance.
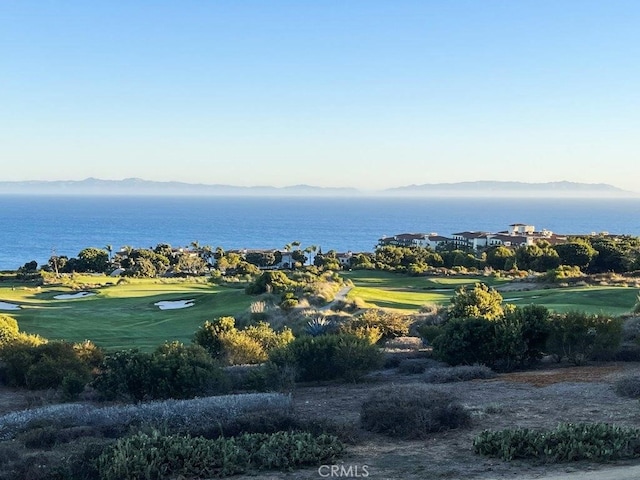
(123, 316)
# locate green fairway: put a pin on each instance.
(605, 300)
(123, 316)
(390, 290)
(389, 280)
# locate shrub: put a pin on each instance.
(225, 342)
(628, 387)
(175, 415)
(412, 412)
(272, 281)
(8, 330)
(578, 336)
(328, 357)
(462, 373)
(429, 333)
(159, 456)
(562, 273)
(261, 378)
(466, 341)
(39, 437)
(173, 370)
(565, 443)
(481, 302)
(404, 343)
(42, 366)
(376, 323)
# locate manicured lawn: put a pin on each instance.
(123, 316)
(593, 300)
(389, 280)
(390, 290)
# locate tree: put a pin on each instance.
(481, 302)
(190, 264)
(261, 259)
(578, 254)
(497, 257)
(611, 257)
(93, 260)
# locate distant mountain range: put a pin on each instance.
(137, 186)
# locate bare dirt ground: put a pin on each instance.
(536, 399)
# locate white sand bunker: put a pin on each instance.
(70, 296)
(172, 305)
(9, 306)
(512, 299)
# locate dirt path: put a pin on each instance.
(340, 297)
(629, 472)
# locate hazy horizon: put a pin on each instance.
(138, 187)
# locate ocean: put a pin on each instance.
(35, 227)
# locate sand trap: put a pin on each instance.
(70, 296)
(440, 289)
(9, 306)
(172, 305)
(512, 299)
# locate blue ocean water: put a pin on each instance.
(33, 227)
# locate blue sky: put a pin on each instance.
(370, 94)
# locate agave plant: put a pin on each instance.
(318, 326)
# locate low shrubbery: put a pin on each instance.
(567, 442)
(173, 370)
(169, 456)
(628, 386)
(376, 325)
(521, 336)
(412, 412)
(577, 336)
(49, 365)
(232, 346)
(466, 341)
(462, 373)
(175, 415)
(328, 357)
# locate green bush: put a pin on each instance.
(466, 341)
(328, 357)
(377, 323)
(578, 336)
(173, 370)
(8, 330)
(226, 343)
(41, 366)
(412, 412)
(567, 442)
(272, 281)
(520, 337)
(162, 457)
(481, 302)
(428, 333)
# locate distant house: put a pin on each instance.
(344, 258)
(431, 240)
(471, 240)
(509, 240)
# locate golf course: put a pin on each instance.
(144, 313)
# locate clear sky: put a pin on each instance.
(361, 93)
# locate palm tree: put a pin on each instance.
(308, 250)
(109, 248)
